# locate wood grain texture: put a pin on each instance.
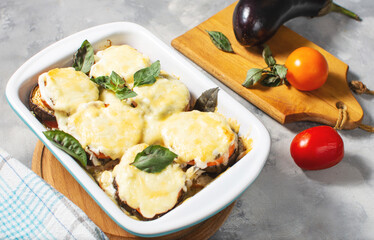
(50, 169)
(285, 104)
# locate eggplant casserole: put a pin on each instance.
(135, 128)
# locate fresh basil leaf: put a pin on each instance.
(220, 41)
(147, 75)
(83, 58)
(271, 81)
(270, 61)
(154, 159)
(124, 93)
(271, 76)
(268, 56)
(103, 81)
(280, 70)
(116, 84)
(253, 76)
(116, 80)
(67, 143)
(207, 102)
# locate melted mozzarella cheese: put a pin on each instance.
(105, 180)
(124, 60)
(64, 89)
(107, 129)
(152, 130)
(109, 97)
(162, 98)
(198, 136)
(159, 101)
(149, 193)
(62, 120)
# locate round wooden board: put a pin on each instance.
(50, 169)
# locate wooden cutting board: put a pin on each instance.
(285, 104)
(50, 169)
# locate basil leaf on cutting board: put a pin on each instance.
(147, 75)
(271, 81)
(268, 56)
(253, 76)
(220, 41)
(116, 84)
(67, 143)
(280, 70)
(83, 58)
(154, 159)
(271, 76)
(207, 102)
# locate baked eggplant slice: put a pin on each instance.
(147, 194)
(219, 167)
(137, 212)
(106, 130)
(100, 165)
(203, 139)
(41, 110)
(122, 59)
(64, 89)
(163, 98)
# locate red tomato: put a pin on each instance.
(317, 148)
(307, 69)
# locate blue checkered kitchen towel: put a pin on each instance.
(31, 209)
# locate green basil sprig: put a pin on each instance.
(220, 40)
(154, 159)
(84, 57)
(271, 76)
(147, 75)
(67, 143)
(116, 84)
(207, 102)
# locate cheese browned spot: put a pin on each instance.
(124, 60)
(198, 136)
(149, 193)
(158, 101)
(64, 89)
(107, 129)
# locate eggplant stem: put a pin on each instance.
(337, 8)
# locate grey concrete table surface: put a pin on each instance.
(284, 202)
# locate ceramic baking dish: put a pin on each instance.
(214, 197)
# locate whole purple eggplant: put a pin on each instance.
(256, 21)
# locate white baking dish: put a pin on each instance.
(213, 198)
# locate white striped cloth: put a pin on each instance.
(31, 209)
